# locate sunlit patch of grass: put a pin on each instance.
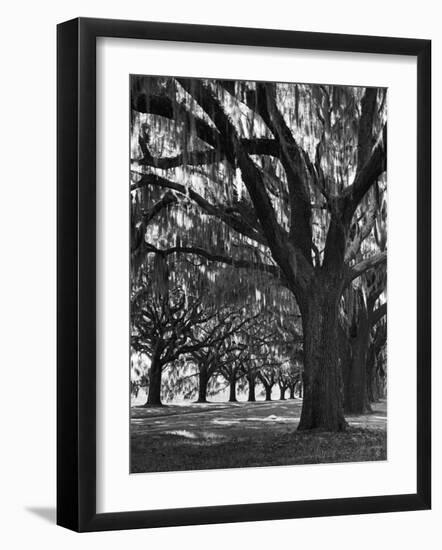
(182, 433)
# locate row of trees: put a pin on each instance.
(184, 345)
(189, 343)
(262, 205)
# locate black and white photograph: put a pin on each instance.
(258, 300)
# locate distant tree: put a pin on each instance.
(267, 376)
(283, 385)
(288, 378)
(164, 327)
(218, 357)
(294, 379)
(231, 371)
(207, 361)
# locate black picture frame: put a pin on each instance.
(76, 274)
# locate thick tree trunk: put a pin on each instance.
(268, 392)
(355, 386)
(202, 387)
(292, 392)
(355, 378)
(232, 392)
(375, 369)
(154, 394)
(380, 379)
(251, 383)
(372, 389)
(282, 393)
(322, 406)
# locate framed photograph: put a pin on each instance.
(227, 203)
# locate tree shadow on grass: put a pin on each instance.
(255, 448)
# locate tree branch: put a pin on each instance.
(294, 161)
(236, 223)
(139, 231)
(165, 201)
(275, 235)
(167, 108)
(377, 315)
(238, 263)
(365, 130)
(363, 266)
(192, 158)
(369, 219)
(261, 146)
(209, 156)
(366, 176)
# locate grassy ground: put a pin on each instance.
(225, 435)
